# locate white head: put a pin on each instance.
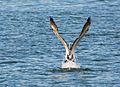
(69, 45)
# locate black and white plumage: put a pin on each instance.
(70, 50)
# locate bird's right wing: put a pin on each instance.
(84, 30)
(55, 30)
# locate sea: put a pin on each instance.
(31, 55)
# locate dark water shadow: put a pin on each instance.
(69, 70)
(11, 62)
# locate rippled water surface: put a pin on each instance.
(31, 55)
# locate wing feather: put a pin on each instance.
(56, 32)
(84, 30)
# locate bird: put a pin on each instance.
(70, 60)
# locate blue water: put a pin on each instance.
(31, 55)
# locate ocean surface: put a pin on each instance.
(31, 55)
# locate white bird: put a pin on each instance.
(69, 61)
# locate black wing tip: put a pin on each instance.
(51, 19)
(89, 19)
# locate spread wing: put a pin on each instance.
(55, 30)
(84, 30)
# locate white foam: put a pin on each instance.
(70, 64)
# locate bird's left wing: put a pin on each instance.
(55, 30)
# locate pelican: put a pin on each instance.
(70, 61)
